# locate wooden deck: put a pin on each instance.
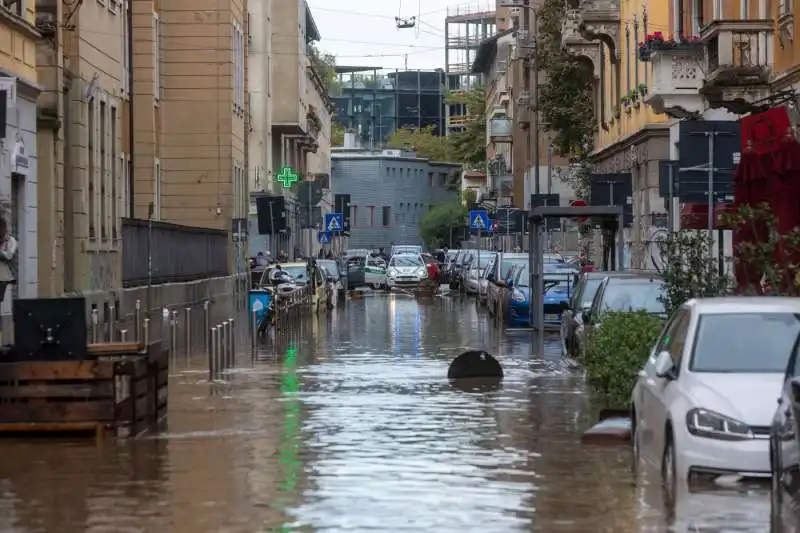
(120, 391)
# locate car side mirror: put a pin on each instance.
(586, 316)
(795, 390)
(490, 277)
(510, 284)
(665, 367)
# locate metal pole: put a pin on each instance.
(173, 333)
(534, 30)
(272, 231)
(232, 340)
(710, 135)
(188, 319)
(123, 335)
(95, 321)
(207, 326)
(254, 330)
(138, 318)
(111, 312)
(165, 333)
(479, 265)
(146, 332)
(620, 264)
(212, 354)
(221, 343)
(671, 206)
(550, 169)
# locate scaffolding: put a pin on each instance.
(466, 26)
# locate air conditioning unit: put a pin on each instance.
(510, 3)
(515, 12)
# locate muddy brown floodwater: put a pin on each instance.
(350, 425)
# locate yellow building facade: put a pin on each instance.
(631, 138)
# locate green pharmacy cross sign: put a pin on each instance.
(287, 177)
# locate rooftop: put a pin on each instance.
(395, 154)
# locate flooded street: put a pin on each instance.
(350, 425)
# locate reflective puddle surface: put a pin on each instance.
(350, 425)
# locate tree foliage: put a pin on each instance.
(437, 224)
(324, 64)
(566, 99)
(337, 133)
(424, 141)
(467, 147)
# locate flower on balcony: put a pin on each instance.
(644, 51)
(625, 101)
(656, 42)
(642, 88)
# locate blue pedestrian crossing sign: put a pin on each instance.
(334, 222)
(324, 237)
(479, 220)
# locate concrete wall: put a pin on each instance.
(259, 65)
(403, 185)
(288, 58)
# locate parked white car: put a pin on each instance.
(704, 401)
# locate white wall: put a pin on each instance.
(259, 65)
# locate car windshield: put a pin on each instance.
(558, 282)
(589, 290)
(484, 260)
(506, 265)
(330, 267)
(297, 272)
(406, 261)
(551, 259)
(634, 296)
(744, 342)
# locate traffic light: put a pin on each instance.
(341, 204)
(271, 212)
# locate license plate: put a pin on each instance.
(552, 317)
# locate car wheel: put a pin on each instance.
(669, 479)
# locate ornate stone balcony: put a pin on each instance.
(501, 129)
(600, 20)
(573, 41)
(677, 79)
(739, 57)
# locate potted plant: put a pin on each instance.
(644, 51)
(625, 101)
(616, 112)
(314, 120)
(642, 88)
(656, 42)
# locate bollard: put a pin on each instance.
(221, 345)
(165, 330)
(188, 319)
(254, 330)
(123, 335)
(146, 332)
(111, 316)
(213, 366)
(207, 327)
(232, 341)
(173, 334)
(138, 319)
(226, 347)
(95, 320)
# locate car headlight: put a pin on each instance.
(711, 425)
(392, 273)
(517, 296)
(422, 273)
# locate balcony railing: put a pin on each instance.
(159, 252)
(738, 45)
(501, 129)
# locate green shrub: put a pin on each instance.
(617, 351)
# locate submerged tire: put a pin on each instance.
(475, 364)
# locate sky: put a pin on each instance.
(363, 32)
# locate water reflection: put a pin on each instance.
(350, 424)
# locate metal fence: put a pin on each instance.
(160, 252)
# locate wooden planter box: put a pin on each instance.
(121, 391)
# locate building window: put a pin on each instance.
(92, 156)
(717, 10)
(113, 5)
(124, 176)
(387, 216)
(237, 47)
(15, 8)
(430, 179)
(371, 219)
(157, 190)
(156, 57)
(126, 52)
(115, 175)
(387, 171)
(697, 17)
(785, 7)
(103, 171)
(353, 216)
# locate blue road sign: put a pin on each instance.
(334, 222)
(479, 220)
(324, 237)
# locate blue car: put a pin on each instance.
(557, 292)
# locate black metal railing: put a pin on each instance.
(176, 253)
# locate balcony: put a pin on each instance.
(739, 55)
(501, 129)
(573, 41)
(599, 20)
(677, 80)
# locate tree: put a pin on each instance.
(424, 141)
(469, 145)
(324, 65)
(337, 133)
(566, 97)
(438, 224)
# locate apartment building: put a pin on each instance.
(500, 62)
(632, 137)
(19, 91)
